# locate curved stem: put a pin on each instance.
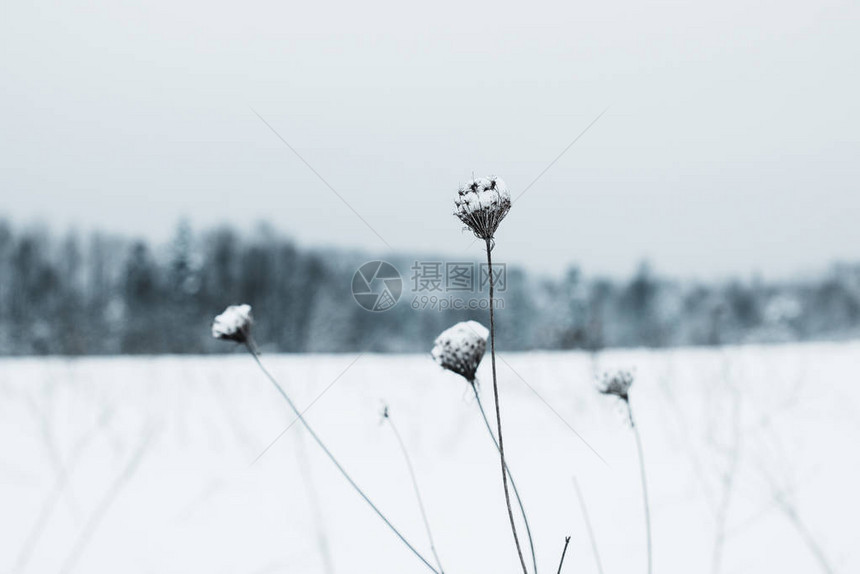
(588, 527)
(498, 413)
(644, 482)
(415, 487)
(251, 349)
(510, 476)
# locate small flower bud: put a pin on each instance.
(234, 324)
(461, 348)
(482, 204)
(617, 383)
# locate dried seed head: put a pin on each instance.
(617, 383)
(461, 348)
(482, 204)
(234, 324)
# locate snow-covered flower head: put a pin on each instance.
(234, 324)
(461, 348)
(616, 383)
(482, 204)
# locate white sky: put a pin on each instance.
(730, 144)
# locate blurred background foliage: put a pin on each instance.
(74, 294)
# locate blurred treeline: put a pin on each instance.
(104, 294)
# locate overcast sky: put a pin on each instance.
(730, 144)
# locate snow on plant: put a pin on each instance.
(459, 349)
(618, 384)
(482, 204)
(234, 324)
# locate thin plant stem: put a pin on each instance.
(54, 457)
(95, 519)
(810, 541)
(489, 244)
(791, 513)
(249, 343)
(314, 499)
(510, 476)
(588, 527)
(728, 483)
(415, 487)
(50, 503)
(644, 482)
(563, 552)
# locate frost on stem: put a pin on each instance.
(617, 384)
(461, 348)
(482, 204)
(234, 324)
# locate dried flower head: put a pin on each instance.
(482, 204)
(616, 383)
(234, 324)
(461, 348)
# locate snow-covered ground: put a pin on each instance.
(147, 464)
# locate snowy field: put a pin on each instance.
(147, 464)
